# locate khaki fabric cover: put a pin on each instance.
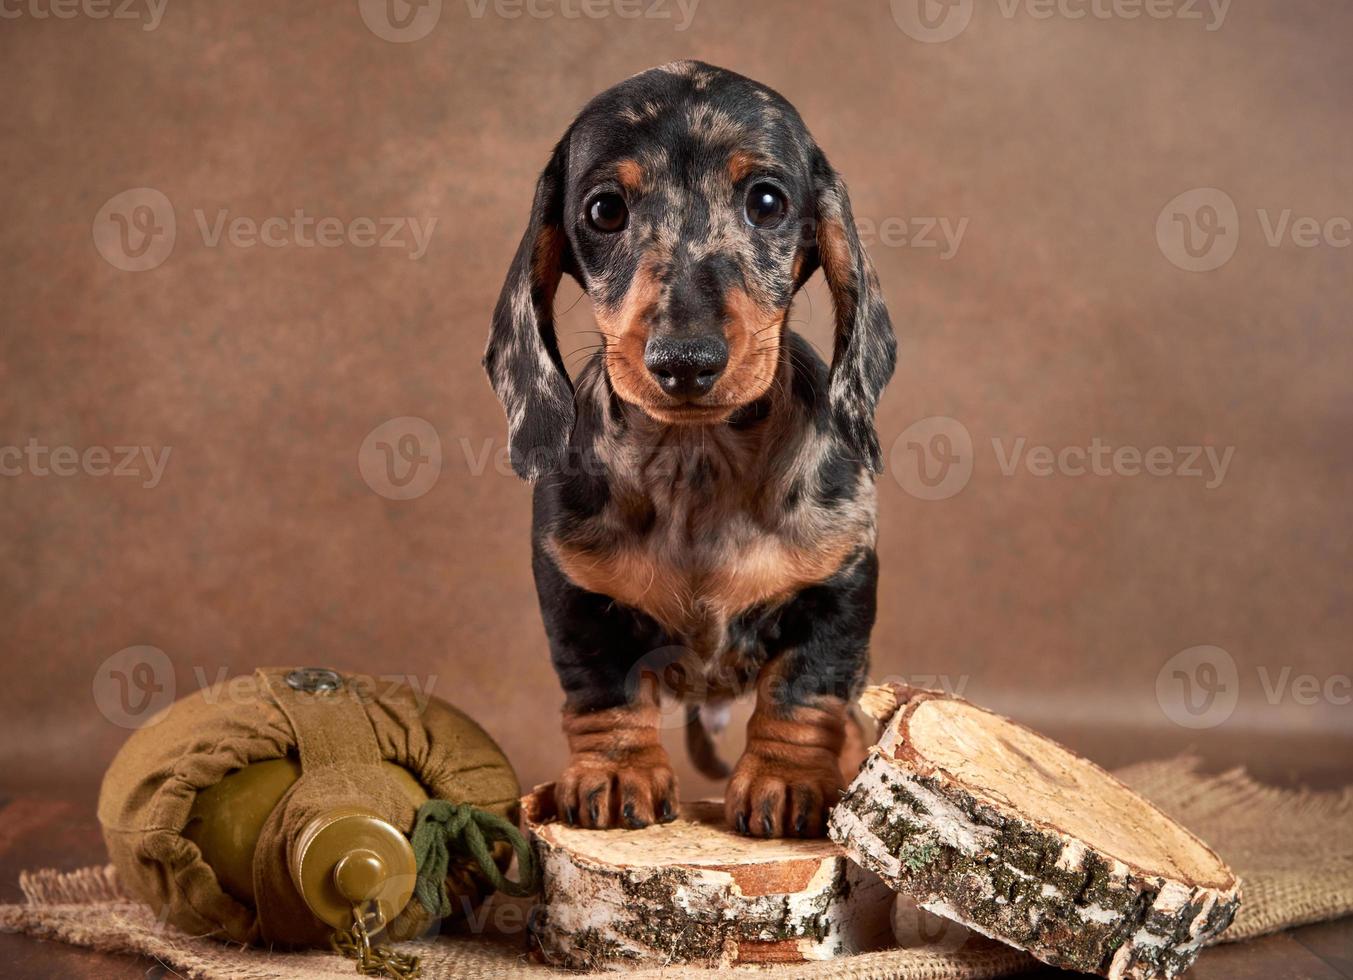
(340, 738)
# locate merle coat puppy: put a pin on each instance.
(708, 486)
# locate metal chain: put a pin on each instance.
(373, 961)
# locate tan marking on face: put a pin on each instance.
(752, 331)
(753, 334)
(740, 164)
(630, 173)
(626, 333)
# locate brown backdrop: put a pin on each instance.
(1061, 319)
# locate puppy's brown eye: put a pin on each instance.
(608, 213)
(766, 206)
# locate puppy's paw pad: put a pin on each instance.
(771, 798)
(600, 794)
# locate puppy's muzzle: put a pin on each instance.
(686, 367)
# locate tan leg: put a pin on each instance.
(618, 774)
(790, 772)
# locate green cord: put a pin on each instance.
(443, 827)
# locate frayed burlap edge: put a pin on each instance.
(1292, 849)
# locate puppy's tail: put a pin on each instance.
(704, 722)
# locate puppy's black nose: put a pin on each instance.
(686, 367)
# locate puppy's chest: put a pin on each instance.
(700, 560)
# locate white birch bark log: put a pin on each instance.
(693, 892)
(987, 823)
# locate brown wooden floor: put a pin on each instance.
(43, 829)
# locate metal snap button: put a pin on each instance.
(314, 680)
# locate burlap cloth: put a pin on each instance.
(1293, 850)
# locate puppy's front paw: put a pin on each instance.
(769, 797)
(630, 790)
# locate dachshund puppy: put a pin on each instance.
(706, 492)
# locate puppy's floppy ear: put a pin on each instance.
(865, 350)
(522, 358)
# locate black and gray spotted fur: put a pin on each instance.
(711, 513)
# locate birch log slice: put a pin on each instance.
(693, 892)
(985, 822)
